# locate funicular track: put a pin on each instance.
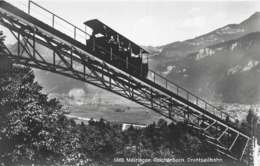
(71, 58)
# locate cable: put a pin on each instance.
(63, 26)
(40, 13)
(57, 23)
(22, 3)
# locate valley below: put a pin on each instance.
(121, 110)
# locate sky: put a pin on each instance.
(147, 22)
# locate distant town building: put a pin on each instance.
(76, 103)
(126, 126)
(80, 118)
(96, 100)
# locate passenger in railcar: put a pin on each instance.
(119, 59)
(112, 40)
(122, 47)
(90, 42)
(114, 48)
(122, 51)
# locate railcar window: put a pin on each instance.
(145, 58)
(99, 35)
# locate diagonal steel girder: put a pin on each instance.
(105, 76)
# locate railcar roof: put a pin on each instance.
(103, 28)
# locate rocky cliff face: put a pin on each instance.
(233, 31)
(227, 71)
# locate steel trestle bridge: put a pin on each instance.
(70, 57)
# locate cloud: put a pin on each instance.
(196, 22)
(143, 23)
(76, 93)
(145, 20)
(142, 29)
(220, 15)
(194, 10)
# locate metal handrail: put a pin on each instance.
(56, 16)
(189, 93)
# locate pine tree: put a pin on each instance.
(28, 120)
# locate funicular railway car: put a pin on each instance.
(114, 48)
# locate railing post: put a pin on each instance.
(94, 44)
(75, 33)
(34, 29)
(110, 86)
(126, 62)
(29, 6)
(54, 58)
(111, 53)
(141, 70)
(18, 45)
(102, 71)
(151, 97)
(71, 59)
(84, 70)
(53, 16)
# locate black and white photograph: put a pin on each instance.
(129, 83)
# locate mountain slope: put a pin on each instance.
(227, 71)
(232, 31)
